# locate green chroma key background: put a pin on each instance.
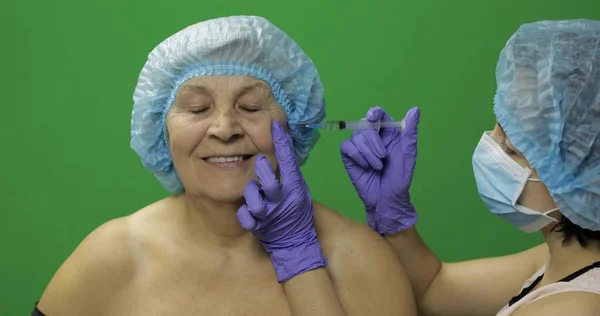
(70, 67)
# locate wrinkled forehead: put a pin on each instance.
(225, 85)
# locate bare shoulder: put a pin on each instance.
(566, 303)
(366, 273)
(344, 237)
(99, 266)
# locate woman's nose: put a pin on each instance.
(225, 126)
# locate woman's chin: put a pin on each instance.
(233, 199)
(221, 192)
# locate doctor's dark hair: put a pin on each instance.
(572, 232)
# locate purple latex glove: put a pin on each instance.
(381, 166)
(280, 214)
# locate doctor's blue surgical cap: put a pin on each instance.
(236, 45)
(548, 103)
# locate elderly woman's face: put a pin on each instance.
(216, 127)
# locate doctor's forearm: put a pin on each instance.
(420, 263)
(312, 293)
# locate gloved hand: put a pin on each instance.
(381, 166)
(280, 214)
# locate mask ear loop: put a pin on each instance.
(545, 213)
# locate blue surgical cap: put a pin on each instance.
(237, 45)
(548, 103)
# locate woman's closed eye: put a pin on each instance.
(198, 110)
(250, 108)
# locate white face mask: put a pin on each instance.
(500, 182)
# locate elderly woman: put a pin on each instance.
(538, 169)
(219, 116)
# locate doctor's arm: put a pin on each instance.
(280, 212)
(475, 287)
(381, 166)
(367, 277)
(363, 276)
(312, 293)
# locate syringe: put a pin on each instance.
(355, 125)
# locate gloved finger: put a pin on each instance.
(254, 201)
(373, 141)
(411, 122)
(286, 156)
(268, 181)
(247, 221)
(387, 134)
(375, 114)
(362, 142)
(410, 136)
(350, 154)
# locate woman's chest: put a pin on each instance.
(254, 301)
(191, 290)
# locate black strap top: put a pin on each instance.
(568, 278)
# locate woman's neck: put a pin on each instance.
(214, 222)
(564, 259)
